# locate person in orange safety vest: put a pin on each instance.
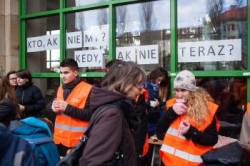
(71, 118)
(189, 126)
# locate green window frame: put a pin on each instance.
(110, 5)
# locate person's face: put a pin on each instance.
(21, 81)
(67, 74)
(13, 79)
(181, 94)
(159, 80)
(135, 91)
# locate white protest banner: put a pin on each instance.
(89, 58)
(210, 51)
(126, 53)
(74, 39)
(147, 54)
(42, 43)
(96, 36)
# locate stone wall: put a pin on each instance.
(8, 35)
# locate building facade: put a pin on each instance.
(9, 35)
(208, 37)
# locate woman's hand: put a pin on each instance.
(180, 108)
(184, 127)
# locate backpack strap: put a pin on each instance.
(96, 113)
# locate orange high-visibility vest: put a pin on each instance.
(248, 108)
(145, 147)
(176, 149)
(68, 130)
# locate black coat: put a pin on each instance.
(31, 97)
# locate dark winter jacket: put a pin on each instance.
(38, 134)
(31, 97)
(208, 137)
(14, 150)
(153, 114)
(112, 130)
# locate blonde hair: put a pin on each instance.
(198, 105)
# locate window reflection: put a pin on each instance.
(91, 49)
(230, 94)
(209, 20)
(82, 2)
(144, 31)
(43, 45)
(41, 5)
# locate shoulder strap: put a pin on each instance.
(96, 113)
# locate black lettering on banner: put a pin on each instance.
(49, 43)
(119, 56)
(78, 39)
(182, 51)
(95, 57)
(153, 54)
(29, 44)
(230, 50)
(83, 58)
(210, 51)
(89, 58)
(55, 41)
(88, 39)
(201, 50)
(127, 55)
(221, 48)
(39, 43)
(142, 54)
(70, 39)
(77, 58)
(192, 50)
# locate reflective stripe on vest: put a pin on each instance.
(181, 154)
(174, 132)
(70, 128)
(176, 149)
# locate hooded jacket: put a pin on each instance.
(14, 150)
(38, 134)
(112, 129)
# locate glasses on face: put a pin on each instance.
(12, 78)
(140, 86)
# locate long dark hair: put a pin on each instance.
(8, 93)
(25, 74)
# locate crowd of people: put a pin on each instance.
(133, 107)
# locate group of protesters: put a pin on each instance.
(125, 111)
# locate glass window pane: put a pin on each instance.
(70, 3)
(212, 35)
(41, 5)
(231, 96)
(87, 38)
(43, 45)
(144, 36)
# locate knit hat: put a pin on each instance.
(185, 80)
